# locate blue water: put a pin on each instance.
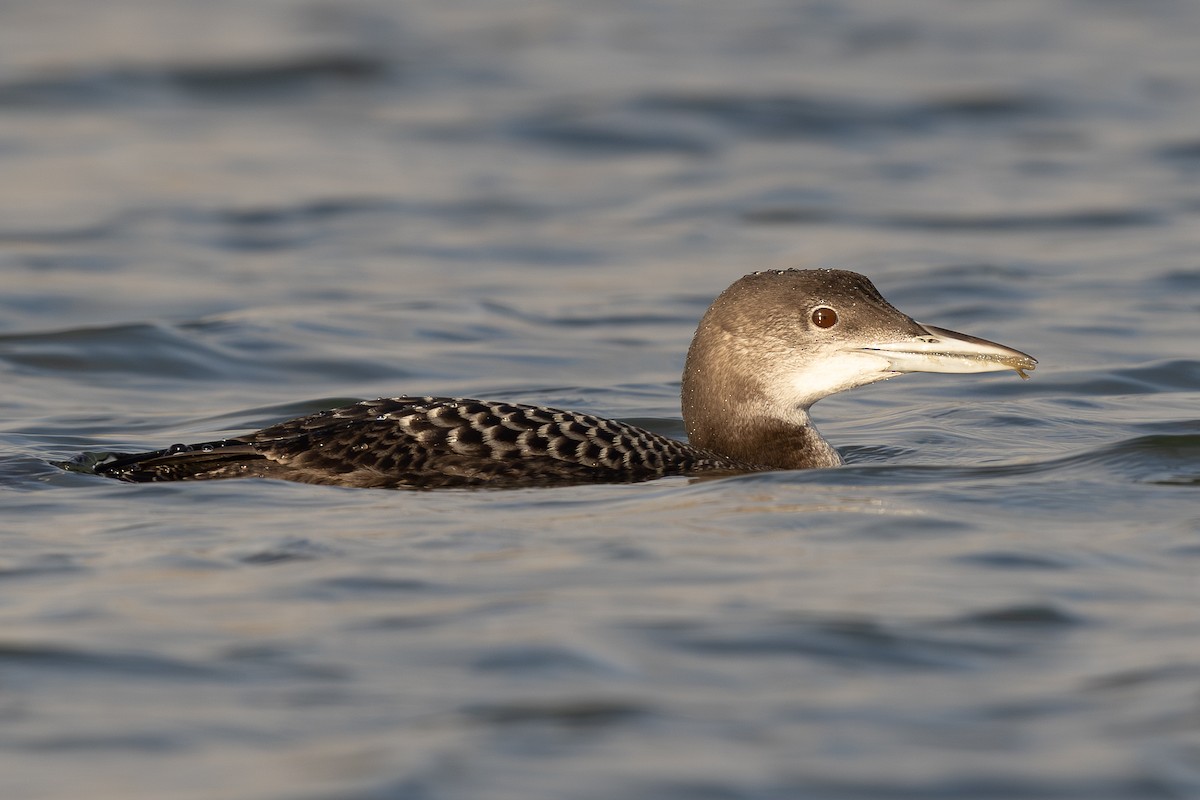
(215, 216)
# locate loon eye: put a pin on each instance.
(824, 317)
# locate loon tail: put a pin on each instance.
(179, 462)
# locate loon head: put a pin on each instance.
(776, 342)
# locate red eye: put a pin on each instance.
(824, 317)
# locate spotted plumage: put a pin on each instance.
(430, 442)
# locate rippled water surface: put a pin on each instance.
(218, 215)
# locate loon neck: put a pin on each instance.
(730, 409)
(765, 441)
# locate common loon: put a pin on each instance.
(769, 346)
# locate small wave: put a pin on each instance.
(541, 660)
(1183, 154)
(286, 551)
(1010, 560)
(83, 232)
(605, 129)
(143, 348)
(1171, 459)
(697, 123)
(52, 657)
(229, 347)
(1022, 616)
(864, 642)
(575, 712)
(1065, 219)
(219, 80)
(1050, 220)
(1157, 377)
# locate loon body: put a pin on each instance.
(431, 442)
(769, 346)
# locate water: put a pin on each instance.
(218, 215)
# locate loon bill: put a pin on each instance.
(768, 347)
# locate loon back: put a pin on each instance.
(429, 442)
